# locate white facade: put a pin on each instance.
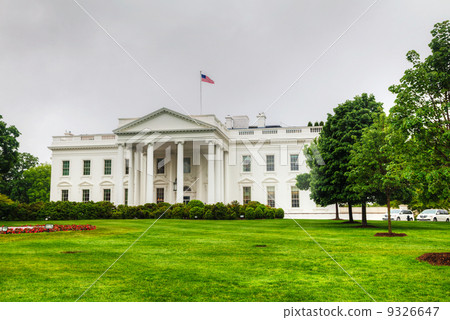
(203, 159)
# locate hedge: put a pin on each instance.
(195, 209)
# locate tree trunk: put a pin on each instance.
(388, 196)
(363, 214)
(350, 213)
(337, 211)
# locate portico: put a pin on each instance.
(171, 168)
(167, 156)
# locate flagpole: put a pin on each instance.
(201, 107)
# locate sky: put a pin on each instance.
(60, 71)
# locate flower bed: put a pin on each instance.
(41, 228)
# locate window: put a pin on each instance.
(271, 196)
(294, 162)
(85, 195)
(127, 166)
(86, 167)
(160, 165)
(295, 198)
(159, 195)
(187, 189)
(66, 167)
(106, 194)
(186, 199)
(107, 167)
(247, 191)
(64, 195)
(126, 196)
(246, 163)
(270, 162)
(187, 165)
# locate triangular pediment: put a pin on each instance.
(86, 184)
(163, 120)
(292, 180)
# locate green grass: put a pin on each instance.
(182, 260)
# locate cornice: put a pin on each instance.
(82, 147)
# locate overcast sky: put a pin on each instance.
(60, 71)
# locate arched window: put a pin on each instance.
(186, 188)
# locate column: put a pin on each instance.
(210, 172)
(217, 173)
(131, 178)
(222, 182)
(180, 172)
(226, 178)
(119, 175)
(137, 189)
(149, 189)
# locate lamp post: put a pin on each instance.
(175, 185)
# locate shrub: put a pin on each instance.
(220, 212)
(163, 204)
(151, 206)
(208, 215)
(195, 203)
(270, 213)
(253, 204)
(196, 212)
(259, 213)
(250, 213)
(64, 210)
(279, 213)
(177, 211)
(234, 209)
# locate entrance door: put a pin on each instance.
(186, 199)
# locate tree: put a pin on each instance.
(8, 146)
(321, 123)
(322, 190)
(376, 165)
(316, 124)
(13, 184)
(421, 111)
(303, 181)
(310, 124)
(329, 183)
(37, 180)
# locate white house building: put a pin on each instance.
(171, 157)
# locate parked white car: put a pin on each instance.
(400, 215)
(434, 215)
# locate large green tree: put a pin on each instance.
(377, 165)
(421, 111)
(342, 129)
(37, 180)
(8, 146)
(13, 184)
(321, 188)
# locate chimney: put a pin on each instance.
(240, 122)
(261, 122)
(229, 122)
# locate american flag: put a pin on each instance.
(205, 78)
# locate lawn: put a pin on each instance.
(184, 260)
